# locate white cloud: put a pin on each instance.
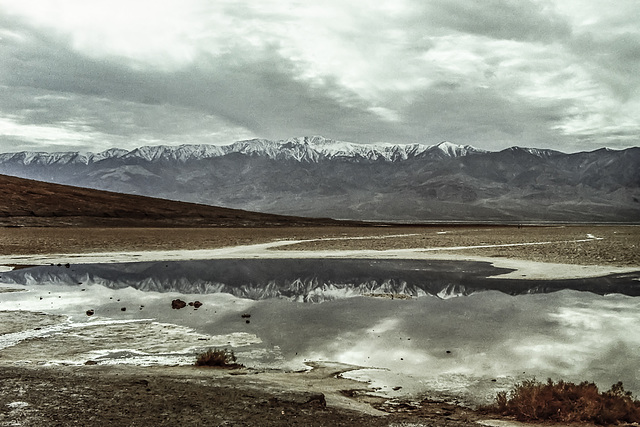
(556, 71)
(68, 132)
(159, 34)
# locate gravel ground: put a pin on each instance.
(615, 245)
(124, 396)
(612, 245)
(46, 240)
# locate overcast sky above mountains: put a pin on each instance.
(91, 75)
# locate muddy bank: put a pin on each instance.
(189, 396)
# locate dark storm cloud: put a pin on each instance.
(613, 59)
(489, 118)
(521, 20)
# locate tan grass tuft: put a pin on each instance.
(218, 358)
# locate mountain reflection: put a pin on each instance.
(314, 280)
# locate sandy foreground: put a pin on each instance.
(41, 394)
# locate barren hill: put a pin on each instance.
(25, 202)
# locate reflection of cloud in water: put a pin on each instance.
(483, 337)
(383, 345)
(421, 343)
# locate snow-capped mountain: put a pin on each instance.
(305, 149)
(309, 280)
(319, 177)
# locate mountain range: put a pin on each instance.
(319, 177)
(311, 280)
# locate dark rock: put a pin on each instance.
(197, 304)
(177, 304)
(90, 312)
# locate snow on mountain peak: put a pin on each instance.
(456, 150)
(302, 149)
(538, 152)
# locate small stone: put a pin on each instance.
(177, 304)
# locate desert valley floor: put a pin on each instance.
(390, 351)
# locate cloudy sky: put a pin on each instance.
(91, 75)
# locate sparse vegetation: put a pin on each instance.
(218, 358)
(532, 400)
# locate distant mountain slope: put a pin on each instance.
(317, 177)
(27, 202)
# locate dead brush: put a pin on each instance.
(218, 358)
(532, 400)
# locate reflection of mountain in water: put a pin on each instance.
(313, 280)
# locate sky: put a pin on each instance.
(78, 75)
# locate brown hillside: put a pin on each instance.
(25, 202)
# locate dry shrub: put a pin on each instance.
(218, 358)
(567, 402)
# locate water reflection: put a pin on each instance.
(314, 280)
(503, 330)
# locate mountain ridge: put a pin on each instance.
(308, 149)
(319, 177)
(311, 280)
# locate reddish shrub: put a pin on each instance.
(567, 402)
